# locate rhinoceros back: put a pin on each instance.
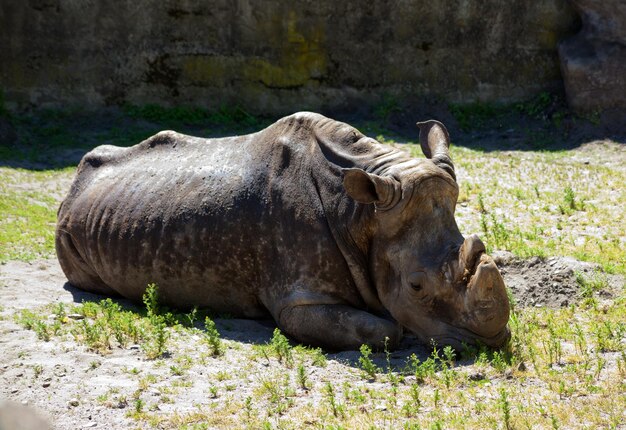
(209, 220)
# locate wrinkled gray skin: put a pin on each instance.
(342, 240)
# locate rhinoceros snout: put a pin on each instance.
(488, 299)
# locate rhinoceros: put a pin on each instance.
(342, 240)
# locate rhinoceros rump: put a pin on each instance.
(342, 240)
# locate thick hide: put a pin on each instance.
(308, 221)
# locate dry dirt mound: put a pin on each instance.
(551, 282)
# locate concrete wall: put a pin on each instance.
(278, 56)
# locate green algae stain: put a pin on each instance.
(209, 70)
(299, 58)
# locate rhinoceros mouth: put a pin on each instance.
(459, 337)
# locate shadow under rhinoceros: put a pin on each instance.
(260, 332)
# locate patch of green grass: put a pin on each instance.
(104, 325)
(533, 204)
(28, 213)
(562, 365)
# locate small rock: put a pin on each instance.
(25, 402)
(45, 384)
(508, 374)
(533, 261)
(134, 347)
(381, 408)
(14, 391)
(73, 402)
(76, 316)
(89, 425)
(521, 366)
(478, 376)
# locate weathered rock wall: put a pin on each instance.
(594, 60)
(278, 56)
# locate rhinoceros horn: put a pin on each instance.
(435, 143)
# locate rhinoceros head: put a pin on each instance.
(434, 282)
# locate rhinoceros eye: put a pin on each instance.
(417, 280)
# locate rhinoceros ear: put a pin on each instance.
(435, 143)
(368, 188)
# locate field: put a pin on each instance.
(548, 205)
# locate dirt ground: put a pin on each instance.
(71, 387)
(62, 379)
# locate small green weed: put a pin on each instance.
(591, 284)
(505, 407)
(281, 347)
(335, 407)
(302, 377)
(366, 364)
(212, 337)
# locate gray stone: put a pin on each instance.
(593, 62)
(278, 56)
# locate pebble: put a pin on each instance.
(478, 376)
(76, 316)
(45, 384)
(24, 402)
(533, 261)
(14, 391)
(73, 402)
(521, 366)
(89, 425)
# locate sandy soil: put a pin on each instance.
(63, 380)
(73, 387)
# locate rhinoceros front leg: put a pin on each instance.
(338, 327)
